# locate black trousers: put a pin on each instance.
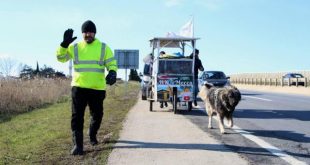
(81, 97)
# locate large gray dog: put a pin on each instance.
(221, 101)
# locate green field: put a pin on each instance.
(43, 136)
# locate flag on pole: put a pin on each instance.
(187, 30)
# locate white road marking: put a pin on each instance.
(253, 97)
(272, 149)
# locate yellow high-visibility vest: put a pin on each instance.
(90, 62)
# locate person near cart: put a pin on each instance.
(162, 54)
(197, 66)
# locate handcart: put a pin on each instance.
(171, 78)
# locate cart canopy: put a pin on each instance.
(170, 42)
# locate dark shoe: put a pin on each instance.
(166, 104)
(195, 102)
(93, 141)
(77, 138)
(161, 105)
(77, 150)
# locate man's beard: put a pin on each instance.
(89, 39)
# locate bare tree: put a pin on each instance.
(19, 68)
(7, 66)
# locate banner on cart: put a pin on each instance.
(183, 83)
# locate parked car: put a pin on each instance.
(217, 78)
(293, 78)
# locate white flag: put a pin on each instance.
(187, 30)
(171, 35)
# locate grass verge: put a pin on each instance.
(43, 136)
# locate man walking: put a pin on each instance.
(198, 66)
(90, 59)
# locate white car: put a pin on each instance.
(293, 78)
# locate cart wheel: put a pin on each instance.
(175, 100)
(189, 106)
(143, 97)
(151, 105)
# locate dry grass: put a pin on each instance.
(18, 96)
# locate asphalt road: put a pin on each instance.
(269, 128)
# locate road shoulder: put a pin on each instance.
(162, 137)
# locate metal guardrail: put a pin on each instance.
(272, 81)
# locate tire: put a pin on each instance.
(143, 97)
(189, 106)
(175, 100)
(151, 105)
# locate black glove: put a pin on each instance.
(68, 38)
(111, 77)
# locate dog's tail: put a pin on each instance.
(208, 85)
(203, 93)
(204, 90)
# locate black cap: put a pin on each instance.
(88, 26)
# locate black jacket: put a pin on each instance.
(197, 66)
